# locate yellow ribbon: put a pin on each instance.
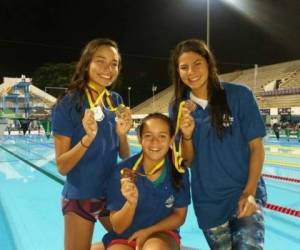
(177, 158)
(153, 170)
(100, 97)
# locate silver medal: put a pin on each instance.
(98, 113)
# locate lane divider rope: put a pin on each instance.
(282, 178)
(283, 210)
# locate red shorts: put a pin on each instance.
(89, 209)
(132, 244)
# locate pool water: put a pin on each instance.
(30, 210)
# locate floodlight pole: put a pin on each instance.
(207, 23)
(129, 88)
(153, 93)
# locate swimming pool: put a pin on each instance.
(30, 193)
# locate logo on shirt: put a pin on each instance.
(227, 121)
(170, 202)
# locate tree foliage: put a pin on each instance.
(53, 75)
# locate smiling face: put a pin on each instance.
(104, 66)
(193, 71)
(155, 140)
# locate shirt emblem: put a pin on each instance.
(170, 202)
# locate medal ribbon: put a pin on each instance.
(177, 158)
(152, 171)
(100, 97)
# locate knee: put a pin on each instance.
(157, 245)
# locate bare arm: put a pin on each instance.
(66, 157)
(124, 148)
(247, 204)
(123, 125)
(122, 218)
(172, 222)
(187, 126)
(257, 156)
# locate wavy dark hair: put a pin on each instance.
(176, 176)
(80, 77)
(219, 109)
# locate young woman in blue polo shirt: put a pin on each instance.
(222, 140)
(148, 206)
(88, 139)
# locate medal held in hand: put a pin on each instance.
(190, 105)
(128, 173)
(120, 110)
(98, 113)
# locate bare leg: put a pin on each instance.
(160, 241)
(98, 246)
(78, 232)
(120, 247)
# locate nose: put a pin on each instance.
(190, 70)
(106, 67)
(155, 139)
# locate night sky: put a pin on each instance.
(37, 32)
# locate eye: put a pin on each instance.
(163, 136)
(183, 67)
(147, 136)
(100, 61)
(115, 65)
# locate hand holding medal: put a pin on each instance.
(128, 173)
(89, 123)
(123, 119)
(128, 187)
(187, 123)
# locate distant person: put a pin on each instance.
(88, 139)
(276, 130)
(298, 131)
(148, 203)
(222, 140)
(288, 131)
(9, 128)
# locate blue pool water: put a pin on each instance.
(30, 211)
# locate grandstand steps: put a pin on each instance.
(282, 101)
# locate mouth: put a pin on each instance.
(194, 79)
(107, 77)
(154, 150)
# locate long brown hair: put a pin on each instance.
(219, 109)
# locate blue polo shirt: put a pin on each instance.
(219, 170)
(155, 202)
(88, 179)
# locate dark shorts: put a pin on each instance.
(132, 244)
(245, 233)
(90, 209)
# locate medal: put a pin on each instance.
(133, 173)
(128, 173)
(120, 109)
(103, 102)
(98, 113)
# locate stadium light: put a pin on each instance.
(154, 88)
(129, 88)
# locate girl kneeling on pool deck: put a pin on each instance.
(147, 196)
